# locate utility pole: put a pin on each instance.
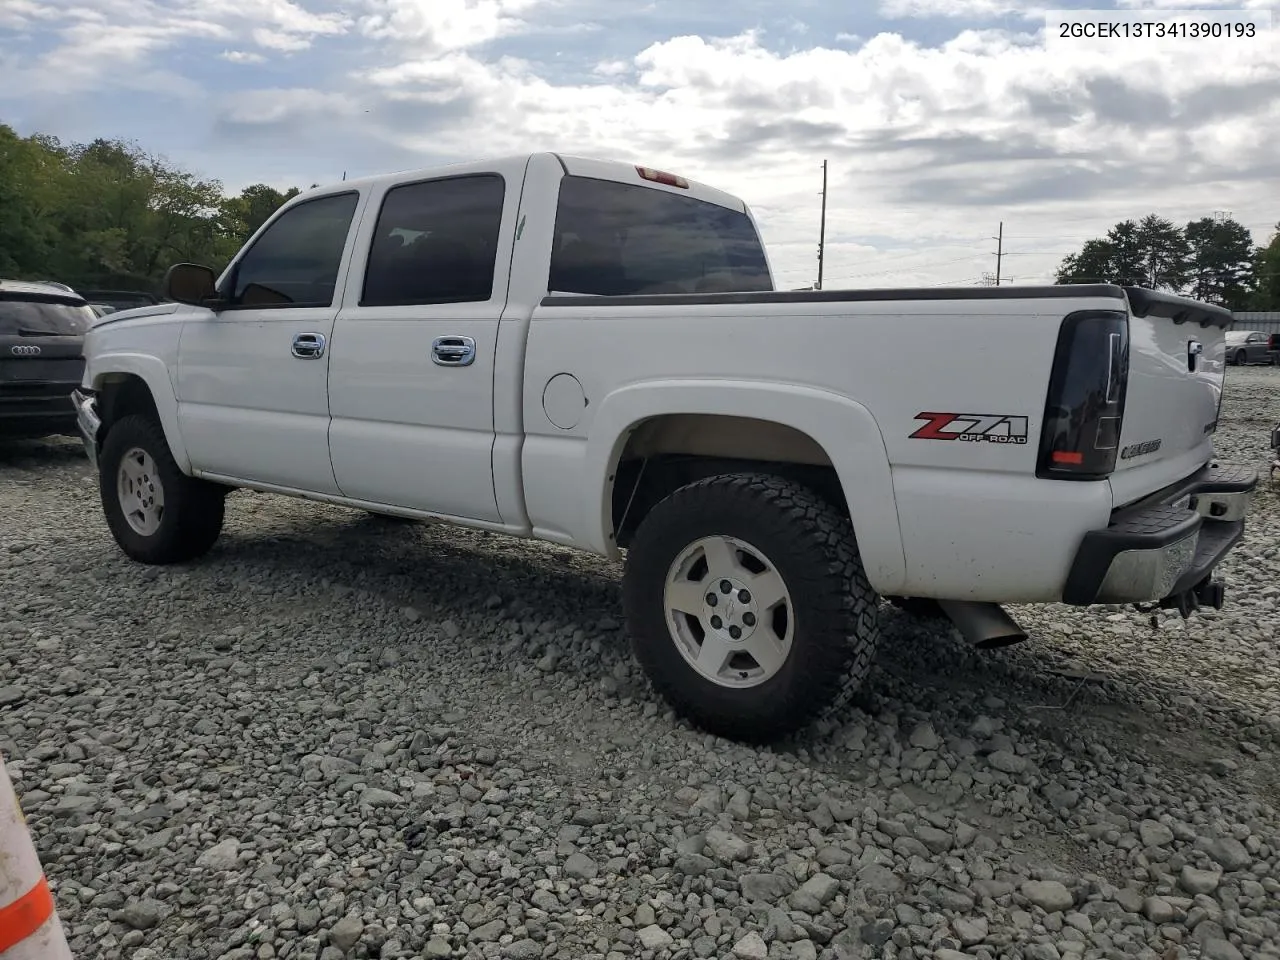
(822, 228)
(999, 239)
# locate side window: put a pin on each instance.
(296, 260)
(435, 242)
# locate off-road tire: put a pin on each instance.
(813, 549)
(193, 509)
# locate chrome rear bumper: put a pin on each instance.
(1159, 551)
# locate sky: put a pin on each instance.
(939, 119)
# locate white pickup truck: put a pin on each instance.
(593, 354)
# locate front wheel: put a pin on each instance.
(156, 513)
(748, 607)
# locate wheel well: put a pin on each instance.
(665, 453)
(120, 395)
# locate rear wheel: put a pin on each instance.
(748, 606)
(156, 513)
(1239, 358)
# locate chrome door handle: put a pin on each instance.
(308, 346)
(453, 351)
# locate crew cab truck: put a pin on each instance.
(593, 354)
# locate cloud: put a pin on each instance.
(21, 14)
(275, 108)
(95, 40)
(1194, 4)
(242, 56)
(961, 9)
(919, 136)
(612, 68)
(436, 25)
(934, 132)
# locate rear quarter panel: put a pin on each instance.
(951, 518)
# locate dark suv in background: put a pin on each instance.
(42, 328)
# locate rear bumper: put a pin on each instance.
(1162, 549)
(87, 423)
(34, 408)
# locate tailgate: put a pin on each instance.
(1177, 364)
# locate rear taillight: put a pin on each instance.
(1085, 405)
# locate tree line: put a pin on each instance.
(107, 214)
(1212, 259)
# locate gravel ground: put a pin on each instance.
(341, 737)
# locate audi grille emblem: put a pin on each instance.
(25, 350)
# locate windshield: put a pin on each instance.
(26, 315)
(617, 239)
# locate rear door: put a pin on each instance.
(1177, 365)
(411, 376)
(41, 353)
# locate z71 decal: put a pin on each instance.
(974, 427)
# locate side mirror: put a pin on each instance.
(190, 283)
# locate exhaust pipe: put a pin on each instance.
(984, 625)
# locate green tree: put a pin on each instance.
(1117, 258)
(1093, 264)
(1151, 252)
(110, 214)
(33, 182)
(249, 210)
(1266, 275)
(133, 213)
(1165, 253)
(1222, 266)
(1125, 240)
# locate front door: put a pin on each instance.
(253, 375)
(411, 377)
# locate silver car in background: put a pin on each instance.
(1250, 346)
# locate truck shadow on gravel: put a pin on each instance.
(922, 664)
(924, 673)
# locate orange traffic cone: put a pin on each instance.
(29, 924)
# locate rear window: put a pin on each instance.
(616, 239)
(28, 316)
